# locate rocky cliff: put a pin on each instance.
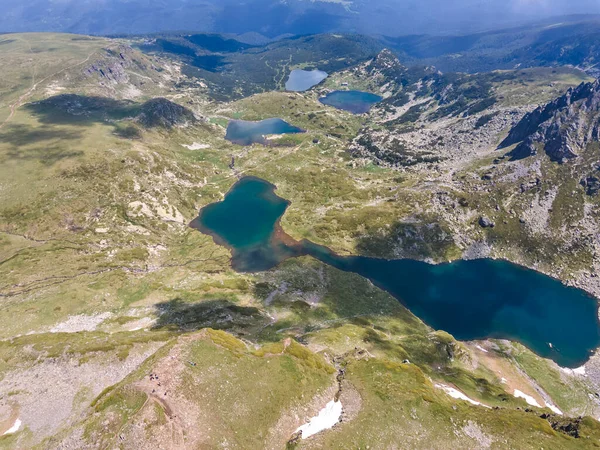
(563, 128)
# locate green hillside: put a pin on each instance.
(122, 327)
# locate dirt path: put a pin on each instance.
(21, 100)
(183, 427)
(158, 397)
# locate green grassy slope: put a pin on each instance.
(99, 271)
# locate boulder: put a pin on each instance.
(591, 185)
(484, 222)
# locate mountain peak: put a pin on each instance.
(386, 63)
(160, 112)
(563, 127)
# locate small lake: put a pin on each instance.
(242, 132)
(475, 299)
(247, 221)
(303, 80)
(357, 102)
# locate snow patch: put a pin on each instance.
(578, 371)
(481, 348)
(140, 324)
(196, 146)
(14, 428)
(454, 393)
(528, 398)
(327, 418)
(554, 409)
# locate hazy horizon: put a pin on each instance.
(277, 17)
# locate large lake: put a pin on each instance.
(302, 80)
(470, 299)
(357, 102)
(247, 133)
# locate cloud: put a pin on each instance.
(544, 8)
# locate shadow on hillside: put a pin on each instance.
(407, 240)
(46, 155)
(19, 134)
(42, 144)
(179, 315)
(73, 109)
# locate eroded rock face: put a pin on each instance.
(563, 127)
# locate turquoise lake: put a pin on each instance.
(357, 102)
(302, 80)
(242, 132)
(474, 299)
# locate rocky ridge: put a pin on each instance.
(385, 64)
(563, 128)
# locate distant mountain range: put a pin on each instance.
(421, 36)
(273, 18)
(572, 40)
(247, 62)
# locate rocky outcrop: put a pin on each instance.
(563, 128)
(160, 112)
(484, 222)
(567, 425)
(591, 185)
(387, 149)
(591, 182)
(386, 63)
(112, 64)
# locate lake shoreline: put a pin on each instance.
(474, 299)
(245, 133)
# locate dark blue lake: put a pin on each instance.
(303, 80)
(475, 299)
(357, 102)
(246, 133)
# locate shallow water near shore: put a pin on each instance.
(475, 299)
